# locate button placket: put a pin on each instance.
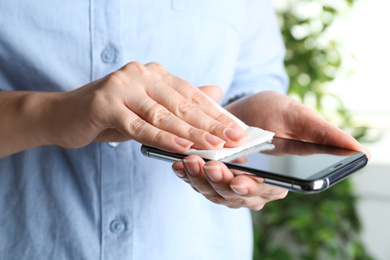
(116, 197)
(116, 202)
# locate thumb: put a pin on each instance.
(213, 92)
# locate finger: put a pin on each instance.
(318, 130)
(179, 170)
(196, 115)
(252, 186)
(194, 170)
(292, 120)
(304, 148)
(131, 125)
(213, 92)
(195, 96)
(224, 182)
(160, 117)
(220, 178)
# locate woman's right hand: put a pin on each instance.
(144, 103)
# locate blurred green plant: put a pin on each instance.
(313, 57)
(310, 227)
(324, 225)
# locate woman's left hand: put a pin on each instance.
(274, 112)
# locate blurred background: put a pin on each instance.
(338, 54)
(367, 37)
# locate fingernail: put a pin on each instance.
(214, 140)
(192, 166)
(213, 172)
(236, 127)
(240, 190)
(235, 132)
(234, 135)
(183, 142)
(179, 173)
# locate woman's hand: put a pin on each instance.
(222, 186)
(144, 103)
(274, 112)
(288, 118)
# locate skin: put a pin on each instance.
(143, 103)
(147, 104)
(272, 111)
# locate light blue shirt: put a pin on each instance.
(110, 202)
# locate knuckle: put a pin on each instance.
(137, 125)
(216, 127)
(134, 66)
(158, 137)
(156, 67)
(220, 117)
(158, 115)
(198, 98)
(134, 69)
(116, 78)
(195, 132)
(184, 109)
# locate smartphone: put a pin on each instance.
(294, 165)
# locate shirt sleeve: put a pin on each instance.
(260, 63)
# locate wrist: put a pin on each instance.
(23, 120)
(38, 110)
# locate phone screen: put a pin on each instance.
(296, 159)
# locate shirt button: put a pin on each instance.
(117, 226)
(108, 55)
(113, 144)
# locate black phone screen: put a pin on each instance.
(295, 159)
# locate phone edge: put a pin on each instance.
(307, 187)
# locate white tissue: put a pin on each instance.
(255, 137)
